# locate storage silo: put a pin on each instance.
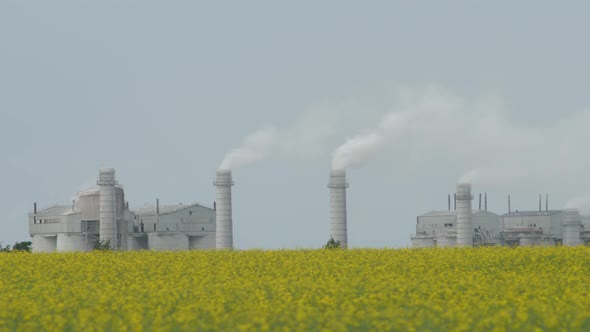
(70, 242)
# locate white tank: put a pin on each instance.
(168, 241)
(202, 242)
(423, 242)
(464, 216)
(88, 203)
(108, 226)
(446, 241)
(223, 214)
(527, 241)
(338, 226)
(72, 242)
(571, 227)
(42, 243)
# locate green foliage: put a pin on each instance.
(332, 244)
(102, 245)
(4, 248)
(24, 246)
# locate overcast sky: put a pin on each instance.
(495, 92)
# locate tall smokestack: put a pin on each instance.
(464, 217)
(449, 202)
(486, 201)
(107, 207)
(338, 185)
(540, 207)
(479, 201)
(455, 201)
(223, 212)
(34, 212)
(546, 202)
(509, 210)
(571, 227)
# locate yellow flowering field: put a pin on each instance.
(500, 289)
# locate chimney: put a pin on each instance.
(540, 208)
(107, 207)
(214, 206)
(223, 214)
(571, 227)
(338, 220)
(509, 211)
(157, 206)
(479, 201)
(464, 216)
(455, 203)
(449, 202)
(34, 212)
(486, 201)
(547, 203)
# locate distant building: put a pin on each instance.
(516, 228)
(77, 227)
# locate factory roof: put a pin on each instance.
(56, 210)
(89, 191)
(442, 213)
(439, 213)
(165, 209)
(531, 213)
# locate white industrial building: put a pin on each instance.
(101, 213)
(515, 228)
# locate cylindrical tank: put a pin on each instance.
(422, 242)
(107, 210)
(527, 241)
(71, 242)
(338, 227)
(88, 203)
(43, 243)
(446, 240)
(464, 216)
(165, 241)
(571, 227)
(223, 214)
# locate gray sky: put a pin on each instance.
(162, 90)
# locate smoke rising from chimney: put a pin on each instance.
(411, 129)
(254, 147)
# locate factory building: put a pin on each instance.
(101, 213)
(439, 229)
(515, 228)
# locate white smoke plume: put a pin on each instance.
(580, 203)
(254, 147)
(419, 131)
(477, 139)
(409, 112)
(356, 151)
(309, 136)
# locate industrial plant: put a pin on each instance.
(101, 213)
(464, 227)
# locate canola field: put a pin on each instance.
(483, 289)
